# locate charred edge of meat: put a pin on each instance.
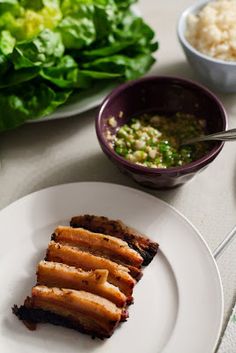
(36, 316)
(53, 236)
(135, 272)
(144, 246)
(147, 254)
(124, 314)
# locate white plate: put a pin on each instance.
(178, 303)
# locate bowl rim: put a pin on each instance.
(187, 168)
(182, 20)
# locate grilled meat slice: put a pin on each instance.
(54, 274)
(102, 245)
(139, 242)
(118, 275)
(98, 244)
(135, 272)
(80, 310)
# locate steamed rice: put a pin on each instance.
(213, 30)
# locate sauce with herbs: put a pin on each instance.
(154, 141)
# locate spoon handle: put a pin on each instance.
(229, 135)
(224, 244)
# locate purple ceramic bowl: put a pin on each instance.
(160, 94)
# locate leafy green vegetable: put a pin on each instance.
(50, 49)
(28, 102)
(130, 68)
(77, 32)
(41, 51)
(9, 5)
(4, 65)
(39, 4)
(11, 2)
(13, 78)
(67, 75)
(7, 42)
(125, 3)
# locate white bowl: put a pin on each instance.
(218, 74)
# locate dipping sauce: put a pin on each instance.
(154, 141)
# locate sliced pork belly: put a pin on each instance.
(137, 241)
(80, 310)
(98, 244)
(118, 275)
(135, 272)
(54, 274)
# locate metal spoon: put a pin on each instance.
(225, 243)
(228, 135)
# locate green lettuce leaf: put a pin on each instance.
(64, 74)
(32, 4)
(26, 19)
(9, 5)
(11, 2)
(129, 68)
(41, 51)
(125, 3)
(4, 64)
(39, 4)
(100, 15)
(7, 42)
(14, 78)
(67, 75)
(28, 102)
(77, 32)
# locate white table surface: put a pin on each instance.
(36, 156)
